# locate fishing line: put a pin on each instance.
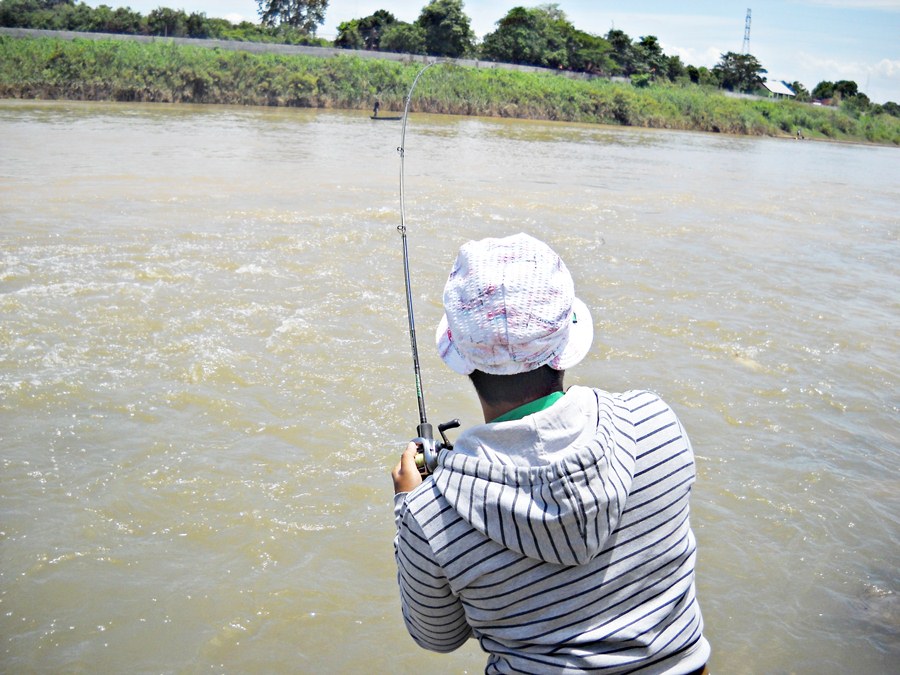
(428, 449)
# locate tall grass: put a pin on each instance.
(164, 72)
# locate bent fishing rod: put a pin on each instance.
(426, 457)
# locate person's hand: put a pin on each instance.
(406, 474)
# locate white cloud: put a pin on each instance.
(851, 70)
(694, 57)
(888, 68)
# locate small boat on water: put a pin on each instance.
(383, 118)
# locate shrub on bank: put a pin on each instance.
(162, 71)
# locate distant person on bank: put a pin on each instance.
(557, 533)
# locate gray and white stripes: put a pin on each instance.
(561, 541)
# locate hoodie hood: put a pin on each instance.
(551, 486)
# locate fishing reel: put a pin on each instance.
(427, 454)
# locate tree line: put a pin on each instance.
(539, 36)
(162, 22)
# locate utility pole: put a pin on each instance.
(746, 49)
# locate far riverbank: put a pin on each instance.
(164, 71)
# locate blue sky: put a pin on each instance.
(805, 40)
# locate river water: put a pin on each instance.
(205, 374)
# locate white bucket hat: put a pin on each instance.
(510, 307)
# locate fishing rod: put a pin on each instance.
(426, 457)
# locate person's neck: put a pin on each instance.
(492, 411)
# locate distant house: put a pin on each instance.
(779, 89)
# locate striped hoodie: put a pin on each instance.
(561, 541)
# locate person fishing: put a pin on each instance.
(557, 533)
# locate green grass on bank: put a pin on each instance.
(164, 72)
